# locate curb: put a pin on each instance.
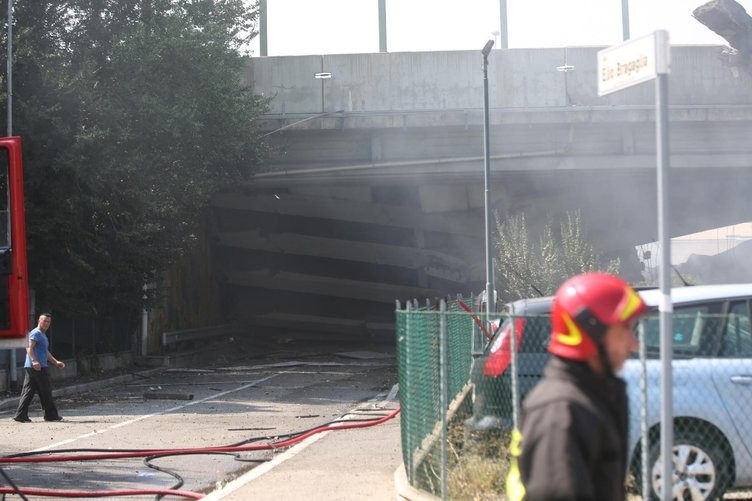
(405, 491)
(83, 387)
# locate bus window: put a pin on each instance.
(4, 201)
(6, 259)
(14, 284)
(6, 264)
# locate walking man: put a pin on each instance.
(37, 380)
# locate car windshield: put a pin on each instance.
(695, 330)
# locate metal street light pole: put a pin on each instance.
(490, 295)
(382, 25)
(9, 62)
(503, 24)
(12, 372)
(263, 28)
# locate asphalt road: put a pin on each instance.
(222, 405)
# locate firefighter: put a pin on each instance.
(572, 442)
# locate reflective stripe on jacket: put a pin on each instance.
(514, 485)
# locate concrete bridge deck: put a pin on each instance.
(376, 193)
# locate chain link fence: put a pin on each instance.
(460, 396)
(434, 344)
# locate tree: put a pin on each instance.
(133, 113)
(532, 267)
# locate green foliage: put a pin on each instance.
(133, 113)
(530, 267)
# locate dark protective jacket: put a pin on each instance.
(574, 435)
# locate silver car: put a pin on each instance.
(712, 390)
(712, 385)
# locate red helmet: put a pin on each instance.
(584, 307)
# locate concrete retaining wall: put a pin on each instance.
(80, 367)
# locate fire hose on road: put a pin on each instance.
(150, 454)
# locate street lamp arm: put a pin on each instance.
(486, 50)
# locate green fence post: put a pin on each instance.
(444, 395)
(408, 438)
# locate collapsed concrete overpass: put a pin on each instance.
(377, 191)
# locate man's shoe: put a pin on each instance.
(56, 418)
(22, 419)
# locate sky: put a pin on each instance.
(303, 27)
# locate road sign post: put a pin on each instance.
(619, 67)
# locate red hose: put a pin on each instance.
(339, 425)
(234, 448)
(477, 320)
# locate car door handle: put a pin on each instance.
(746, 379)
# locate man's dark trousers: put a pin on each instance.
(37, 382)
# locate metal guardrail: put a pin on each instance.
(172, 339)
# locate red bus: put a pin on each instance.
(14, 283)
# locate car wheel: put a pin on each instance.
(699, 467)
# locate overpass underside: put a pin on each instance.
(377, 192)
(349, 219)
